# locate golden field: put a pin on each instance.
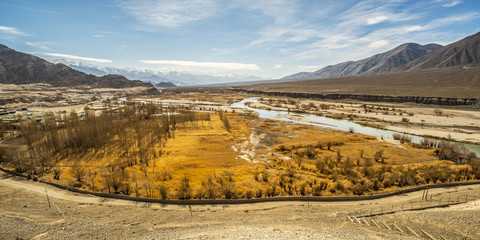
(223, 155)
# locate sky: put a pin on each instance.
(265, 38)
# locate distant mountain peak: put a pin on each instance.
(408, 57)
(376, 64)
(465, 52)
(165, 85)
(156, 76)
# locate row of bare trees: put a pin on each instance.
(136, 132)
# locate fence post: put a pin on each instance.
(48, 199)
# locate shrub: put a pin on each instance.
(228, 189)
(337, 187)
(163, 191)
(361, 187)
(379, 156)
(318, 189)
(56, 173)
(282, 148)
(303, 190)
(265, 176)
(210, 187)
(396, 136)
(320, 164)
(402, 137)
(429, 143)
(249, 194)
(78, 172)
(184, 192)
(454, 152)
(259, 193)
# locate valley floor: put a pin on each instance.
(423, 120)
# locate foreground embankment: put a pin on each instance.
(253, 200)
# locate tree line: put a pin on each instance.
(136, 131)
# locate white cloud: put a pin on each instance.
(282, 11)
(11, 30)
(329, 33)
(339, 32)
(309, 67)
(277, 66)
(170, 13)
(39, 45)
(78, 58)
(378, 44)
(413, 28)
(376, 20)
(454, 19)
(372, 12)
(104, 34)
(450, 3)
(231, 66)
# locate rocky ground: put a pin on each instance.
(25, 214)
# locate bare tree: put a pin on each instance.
(185, 190)
(77, 171)
(210, 187)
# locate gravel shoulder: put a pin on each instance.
(25, 214)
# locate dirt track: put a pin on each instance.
(24, 214)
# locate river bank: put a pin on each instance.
(416, 121)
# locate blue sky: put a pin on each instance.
(270, 39)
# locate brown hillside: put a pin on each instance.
(465, 52)
(448, 82)
(21, 68)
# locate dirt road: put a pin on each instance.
(25, 214)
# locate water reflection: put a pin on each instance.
(338, 124)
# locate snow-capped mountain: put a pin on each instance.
(156, 76)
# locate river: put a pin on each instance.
(343, 125)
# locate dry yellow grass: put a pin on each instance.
(200, 152)
(203, 151)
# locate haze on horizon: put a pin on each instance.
(269, 39)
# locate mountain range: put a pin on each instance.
(157, 76)
(377, 64)
(407, 57)
(465, 52)
(21, 68)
